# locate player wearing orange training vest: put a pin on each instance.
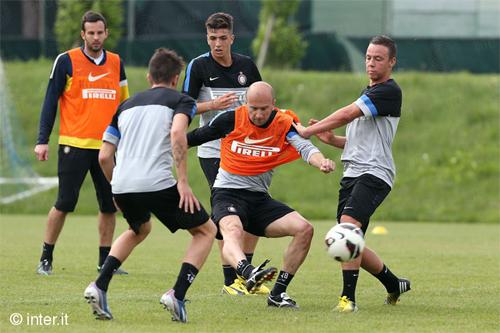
(256, 138)
(89, 83)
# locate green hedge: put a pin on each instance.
(447, 148)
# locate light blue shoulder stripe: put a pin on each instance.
(369, 105)
(291, 134)
(193, 111)
(113, 131)
(188, 72)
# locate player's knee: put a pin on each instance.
(303, 230)
(212, 229)
(144, 230)
(207, 229)
(306, 230)
(66, 205)
(349, 219)
(57, 213)
(231, 230)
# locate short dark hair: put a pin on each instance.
(387, 42)
(91, 16)
(220, 21)
(164, 65)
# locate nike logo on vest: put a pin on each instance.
(95, 78)
(252, 141)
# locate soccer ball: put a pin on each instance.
(344, 242)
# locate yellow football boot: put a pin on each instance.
(346, 305)
(237, 288)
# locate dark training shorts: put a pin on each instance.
(164, 204)
(256, 210)
(73, 165)
(360, 196)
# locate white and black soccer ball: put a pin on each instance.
(344, 242)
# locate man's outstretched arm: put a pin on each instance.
(219, 127)
(337, 119)
(309, 152)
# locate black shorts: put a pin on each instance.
(360, 196)
(256, 210)
(210, 167)
(73, 165)
(164, 204)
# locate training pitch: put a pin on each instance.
(454, 270)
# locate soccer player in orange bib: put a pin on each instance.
(89, 83)
(256, 138)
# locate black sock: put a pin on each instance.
(229, 274)
(350, 280)
(110, 265)
(282, 282)
(388, 279)
(184, 280)
(249, 257)
(47, 251)
(244, 269)
(103, 253)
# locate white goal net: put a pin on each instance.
(18, 180)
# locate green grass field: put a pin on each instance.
(454, 269)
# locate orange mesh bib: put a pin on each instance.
(251, 150)
(89, 101)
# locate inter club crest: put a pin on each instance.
(242, 79)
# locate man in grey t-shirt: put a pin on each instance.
(369, 168)
(144, 142)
